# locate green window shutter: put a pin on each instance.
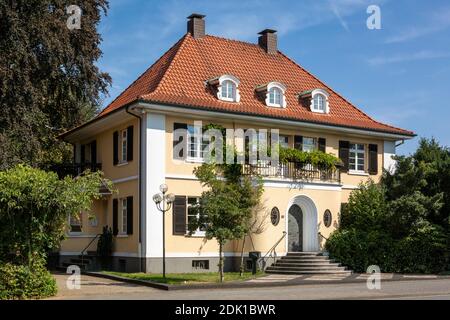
(115, 147)
(344, 150)
(115, 217)
(182, 139)
(129, 215)
(322, 144)
(179, 215)
(373, 159)
(130, 143)
(298, 143)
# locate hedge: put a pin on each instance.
(23, 282)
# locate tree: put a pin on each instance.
(49, 78)
(403, 223)
(225, 208)
(34, 206)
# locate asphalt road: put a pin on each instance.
(97, 288)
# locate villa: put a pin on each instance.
(235, 84)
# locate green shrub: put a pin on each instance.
(23, 282)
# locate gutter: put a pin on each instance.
(140, 185)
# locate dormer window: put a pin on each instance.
(227, 88)
(318, 100)
(274, 94)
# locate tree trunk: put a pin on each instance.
(221, 261)
(241, 268)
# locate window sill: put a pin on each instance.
(122, 236)
(195, 160)
(357, 173)
(195, 235)
(121, 164)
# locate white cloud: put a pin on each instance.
(407, 57)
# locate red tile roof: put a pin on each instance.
(179, 76)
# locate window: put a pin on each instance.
(274, 92)
(123, 218)
(275, 216)
(275, 96)
(309, 144)
(319, 100)
(227, 88)
(356, 157)
(123, 146)
(196, 144)
(319, 103)
(200, 264)
(75, 223)
(284, 141)
(193, 215)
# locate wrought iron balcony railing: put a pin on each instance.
(293, 171)
(75, 169)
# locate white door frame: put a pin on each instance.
(310, 227)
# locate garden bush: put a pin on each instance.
(401, 224)
(24, 282)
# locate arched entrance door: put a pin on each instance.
(301, 225)
(295, 229)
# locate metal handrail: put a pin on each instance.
(272, 251)
(89, 244)
(322, 236)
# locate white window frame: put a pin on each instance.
(314, 95)
(222, 81)
(284, 140)
(70, 220)
(314, 144)
(123, 146)
(354, 149)
(123, 224)
(198, 232)
(195, 138)
(271, 87)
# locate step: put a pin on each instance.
(342, 272)
(84, 260)
(305, 258)
(67, 264)
(308, 264)
(305, 268)
(303, 253)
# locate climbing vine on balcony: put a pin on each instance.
(317, 158)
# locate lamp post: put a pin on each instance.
(164, 203)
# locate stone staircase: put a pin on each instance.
(306, 263)
(86, 263)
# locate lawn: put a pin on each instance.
(186, 278)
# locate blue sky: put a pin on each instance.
(399, 74)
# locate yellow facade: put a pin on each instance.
(181, 181)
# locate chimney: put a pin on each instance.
(268, 41)
(196, 25)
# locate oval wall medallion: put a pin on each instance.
(275, 216)
(327, 218)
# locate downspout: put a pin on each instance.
(398, 145)
(139, 185)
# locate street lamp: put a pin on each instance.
(164, 203)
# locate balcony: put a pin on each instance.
(75, 169)
(293, 171)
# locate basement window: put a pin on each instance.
(200, 264)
